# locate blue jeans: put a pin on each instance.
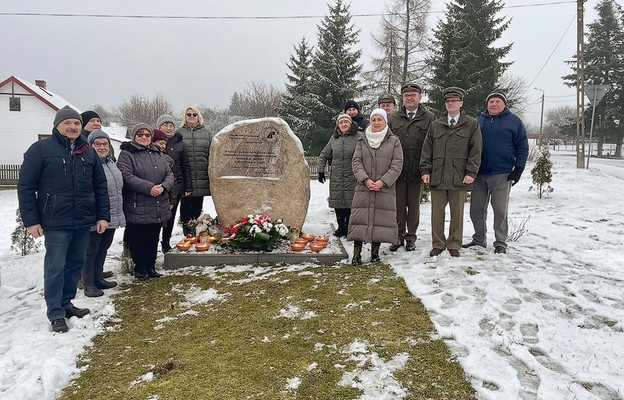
(65, 255)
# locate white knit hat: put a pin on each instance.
(380, 111)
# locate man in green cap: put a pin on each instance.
(449, 162)
(387, 102)
(410, 123)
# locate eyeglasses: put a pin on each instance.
(191, 114)
(143, 135)
(100, 144)
(410, 94)
(452, 100)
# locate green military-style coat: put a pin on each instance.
(450, 154)
(412, 134)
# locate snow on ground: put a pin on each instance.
(545, 321)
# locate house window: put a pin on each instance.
(15, 104)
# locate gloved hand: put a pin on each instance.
(321, 177)
(514, 176)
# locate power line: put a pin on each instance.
(553, 52)
(238, 17)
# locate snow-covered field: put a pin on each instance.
(545, 321)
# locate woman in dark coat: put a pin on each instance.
(147, 182)
(197, 141)
(338, 153)
(181, 172)
(377, 164)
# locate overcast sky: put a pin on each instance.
(203, 61)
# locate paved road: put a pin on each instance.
(611, 166)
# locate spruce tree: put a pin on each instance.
(21, 240)
(335, 73)
(604, 64)
(464, 54)
(296, 103)
(542, 173)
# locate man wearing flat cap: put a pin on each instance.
(62, 193)
(504, 156)
(410, 123)
(387, 102)
(449, 163)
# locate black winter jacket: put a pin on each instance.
(61, 188)
(142, 168)
(197, 143)
(181, 167)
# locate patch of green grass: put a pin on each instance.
(269, 325)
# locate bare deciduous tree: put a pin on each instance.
(105, 116)
(560, 122)
(257, 101)
(403, 45)
(515, 88)
(214, 118)
(142, 109)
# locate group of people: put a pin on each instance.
(75, 193)
(378, 171)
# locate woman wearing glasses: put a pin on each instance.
(147, 182)
(449, 163)
(197, 143)
(99, 244)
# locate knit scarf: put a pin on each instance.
(375, 138)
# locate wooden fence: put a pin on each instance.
(9, 173)
(312, 163)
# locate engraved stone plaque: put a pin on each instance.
(258, 166)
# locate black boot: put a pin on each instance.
(93, 291)
(375, 252)
(104, 284)
(357, 253)
(165, 246)
(153, 274)
(140, 274)
(339, 232)
(73, 311)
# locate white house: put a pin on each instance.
(26, 114)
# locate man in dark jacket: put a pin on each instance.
(504, 156)
(352, 109)
(387, 102)
(410, 123)
(62, 193)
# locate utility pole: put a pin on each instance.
(580, 85)
(541, 131)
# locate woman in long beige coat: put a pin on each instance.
(377, 164)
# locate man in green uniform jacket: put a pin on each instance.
(449, 163)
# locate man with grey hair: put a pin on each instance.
(504, 156)
(62, 193)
